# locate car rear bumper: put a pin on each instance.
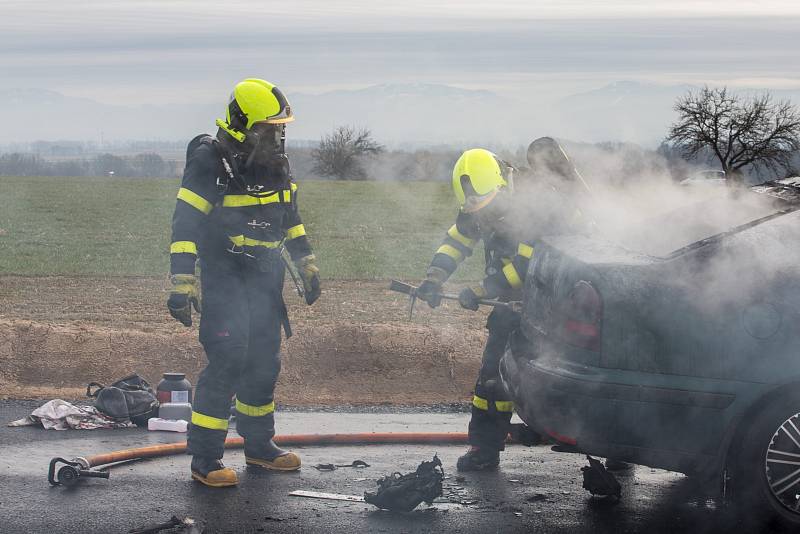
(610, 413)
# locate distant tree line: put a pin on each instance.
(399, 165)
(348, 153)
(144, 165)
(751, 139)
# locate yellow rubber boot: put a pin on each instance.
(211, 472)
(272, 457)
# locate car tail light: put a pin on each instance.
(581, 316)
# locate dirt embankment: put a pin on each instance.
(355, 346)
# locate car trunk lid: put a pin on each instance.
(564, 301)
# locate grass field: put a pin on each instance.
(102, 226)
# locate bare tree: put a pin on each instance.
(340, 153)
(739, 131)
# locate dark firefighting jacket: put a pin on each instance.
(506, 252)
(222, 211)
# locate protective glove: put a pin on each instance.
(430, 288)
(469, 296)
(309, 274)
(183, 296)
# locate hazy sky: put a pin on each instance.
(160, 52)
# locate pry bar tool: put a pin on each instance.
(408, 289)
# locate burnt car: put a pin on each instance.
(679, 349)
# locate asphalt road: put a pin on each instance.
(535, 490)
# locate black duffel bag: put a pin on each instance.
(128, 398)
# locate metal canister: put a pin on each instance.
(174, 388)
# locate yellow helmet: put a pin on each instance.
(477, 177)
(254, 101)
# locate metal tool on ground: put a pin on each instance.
(403, 493)
(328, 496)
(71, 472)
(357, 464)
(408, 289)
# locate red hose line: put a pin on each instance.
(367, 438)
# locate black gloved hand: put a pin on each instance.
(183, 296)
(431, 288)
(314, 290)
(430, 291)
(469, 297)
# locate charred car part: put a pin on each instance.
(598, 481)
(403, 493)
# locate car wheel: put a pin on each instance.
(766, 475)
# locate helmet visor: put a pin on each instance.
(269, 135)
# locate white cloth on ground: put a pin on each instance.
(59, 414)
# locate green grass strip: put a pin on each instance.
(121, 226)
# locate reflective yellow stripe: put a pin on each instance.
(293, 186)
(296, 231)
(238, 201)
(461, 238)
(184, 289)
(480, 403)
(195, 200)
(242, 241)
(179, 247)
(254, 411)
(525, 251)
(206, 421)
(504, 406)
(451, 251)
(512, 276)
(501, 406)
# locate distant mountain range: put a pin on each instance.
(412, 114)
(624, 111)
(398, 114)
(629, 111)
(402, 113)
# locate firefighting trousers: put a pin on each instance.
(491, 406)
(240, 330)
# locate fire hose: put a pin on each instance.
(86, 467)
(79, 467)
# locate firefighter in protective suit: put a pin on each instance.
(482, 185)
(236, 212)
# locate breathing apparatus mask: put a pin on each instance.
(264, 145)
(492, 216)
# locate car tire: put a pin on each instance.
(766, 472)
